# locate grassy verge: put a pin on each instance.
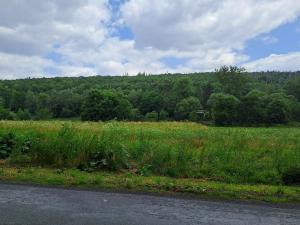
(219, 162)
(151, 184)
(173, 149)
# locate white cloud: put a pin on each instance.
(12, 65)
(284, 62)
(204, 34)
(33, 26)
(206, 24)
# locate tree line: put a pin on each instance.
(228, 96)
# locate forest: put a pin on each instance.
(227, 96)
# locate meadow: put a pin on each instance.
(172, 149)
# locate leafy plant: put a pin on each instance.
(7, 143)
(145, 170)
(108, 160)
(26, 145)
(97, 161)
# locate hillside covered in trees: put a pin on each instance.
(228, 96)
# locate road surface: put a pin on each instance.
(31, 205)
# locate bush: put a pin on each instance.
(163, 115)
(7, 143)
(4, 114)
(291, 176)
(186, 108)
(23, 114)
(106, 105)
(43, 114)
(136, 115)
(224, 108)
(12, 116)
(151, 116)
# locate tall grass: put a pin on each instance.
(186, 150)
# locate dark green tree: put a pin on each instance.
(106, 105)
(293, 87)
(278, 108)
(233, 80)
(136, 115)
(18, 100)
(4, 113)
(182, 88)
(224, 108)
(23, 114)
(65, 104)
(150, 101)
(186, 108)
(252, 108)
(31, 102)
(43, 114)
(163, 115)
(151, 116)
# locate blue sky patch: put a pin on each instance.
(173, 62)
(287, 40)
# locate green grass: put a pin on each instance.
(151, 184)
(219, 155)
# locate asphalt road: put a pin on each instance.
(30, 205)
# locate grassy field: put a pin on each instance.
(248, 156)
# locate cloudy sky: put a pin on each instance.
(115, 37)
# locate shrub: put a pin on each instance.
(7, 143)
(151, 116)
(4, 113)
(291, 176)
(106, 105)
(224, 108)
(23, 114)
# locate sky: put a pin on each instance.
(115, 37)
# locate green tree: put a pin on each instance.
(233, 80)
(106, 105)
(43, 101)
(183, 88)
(4, 113)
(293, 87)
(163, 115)
(2, 102)
(134, 97)
(276, 112)
(150, 101)
(224, 108)
(65, 104)
(6, 94)
(31, 102)
(278, 108)
(43, 114)
(208, 89)
(187, 108)
(136, 115)
(23, 114)
(18, 100)
(151, 116)
(252, 108)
